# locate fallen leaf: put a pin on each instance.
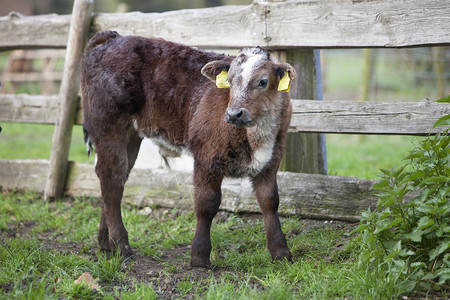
(87, 279)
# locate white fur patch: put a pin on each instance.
(159, 141)
(266, 132)
(249, 67)
(261, 157)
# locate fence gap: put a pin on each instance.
(67, 99)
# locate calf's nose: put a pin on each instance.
(238, 116)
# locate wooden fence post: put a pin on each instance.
(67, 99)
(305, 152)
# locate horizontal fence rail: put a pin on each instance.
(276, 25)
(401, 118)
(362, 117)
(305, 195)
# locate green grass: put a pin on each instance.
(325, 264)
(364, 156)
(33, 141)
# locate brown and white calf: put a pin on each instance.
(135, 87)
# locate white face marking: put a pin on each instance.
(249, 67)
(247, 70)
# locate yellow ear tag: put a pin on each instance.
(285, 83)
(222, 80)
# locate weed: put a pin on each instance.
(18, 259)
(110, 269)
(140, 292)
(79, 291)
(408, 235)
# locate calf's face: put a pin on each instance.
(254, 79)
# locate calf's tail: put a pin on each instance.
(97, 40)
(87, 142)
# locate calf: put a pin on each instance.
(134, 87)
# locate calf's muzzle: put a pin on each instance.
(239, 117)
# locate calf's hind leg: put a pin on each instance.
(207, 196)
(115, 161)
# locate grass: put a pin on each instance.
(46, 246)
(364, 156)
(33, 141)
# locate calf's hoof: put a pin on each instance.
(197, 262)
(282, 254)
(124, 249)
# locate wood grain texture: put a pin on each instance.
(412, 118)
(217, 27)
(356, 23)
(67, 99)
(23, 174)
(42, 31)
(302, 153)
(28, 109)
(277, 25)
(306, 195)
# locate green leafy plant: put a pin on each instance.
(409, 233)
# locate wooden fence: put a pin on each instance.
(291, 29)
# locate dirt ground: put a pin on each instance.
(146, 269)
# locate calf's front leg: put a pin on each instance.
(266, 190)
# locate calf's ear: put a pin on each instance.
(282, 68)
(285, 73)
(214, 68)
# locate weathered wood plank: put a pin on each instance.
(217, 27)
(23, 174)
(412, 118)
(305, 195)
(356, 23)
(67, 98)
(42, 31)
(278, 25)
(28, 109)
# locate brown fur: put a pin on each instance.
(134, 87)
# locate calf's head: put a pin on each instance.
(256, 82)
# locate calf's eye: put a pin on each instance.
(263, 83)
